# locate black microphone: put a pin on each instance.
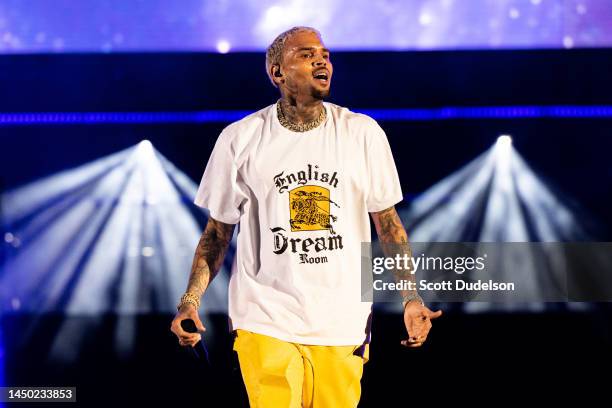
(199, 350)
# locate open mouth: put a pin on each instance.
(322, 76)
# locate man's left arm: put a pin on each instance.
(417, 316)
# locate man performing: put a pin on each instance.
(299, 177)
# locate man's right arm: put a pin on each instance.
(209, 255)
(207, 261)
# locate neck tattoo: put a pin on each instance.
(299, 127)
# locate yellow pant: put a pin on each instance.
(279, 374)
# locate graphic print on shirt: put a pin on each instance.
(310, 209)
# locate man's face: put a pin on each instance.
(306, 68)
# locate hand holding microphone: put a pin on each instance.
(188, 327)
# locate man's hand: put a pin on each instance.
(418, 323)
(187, 311)
(207, 261)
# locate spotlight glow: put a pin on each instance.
(223, 46)
(145, 149)
(148, 251)
(425, 19)
(504, 141)
(496, 198)
(86, 241)
(499, 178)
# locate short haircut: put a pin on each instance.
(274, 53)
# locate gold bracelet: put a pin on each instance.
(189, 297)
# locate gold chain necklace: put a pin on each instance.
(300, 127)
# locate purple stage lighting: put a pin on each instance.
(43, 26)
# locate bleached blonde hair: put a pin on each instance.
(274, 52)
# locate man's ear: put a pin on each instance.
(276, 73)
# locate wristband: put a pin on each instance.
(189, 297)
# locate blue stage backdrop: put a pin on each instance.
(35, 26)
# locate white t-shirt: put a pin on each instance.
(301, 200)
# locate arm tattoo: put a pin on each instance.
(209, 255)
(390, 228)
(394, 241)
